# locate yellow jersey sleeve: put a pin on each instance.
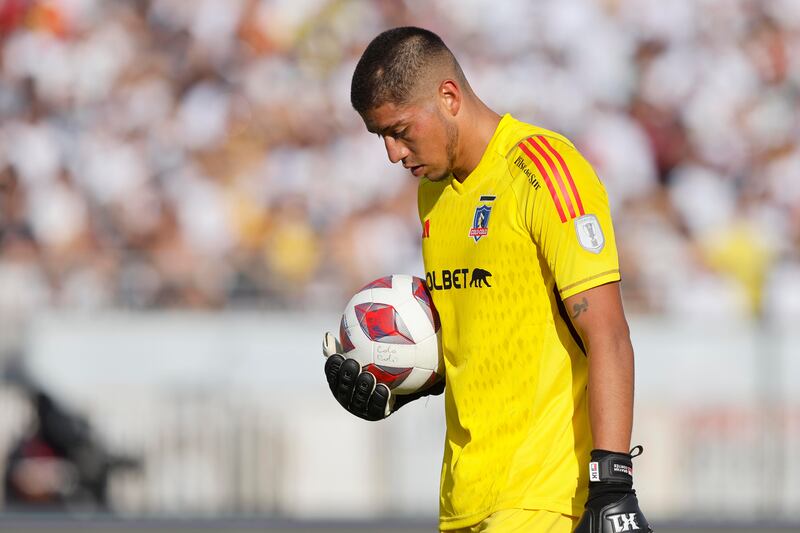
(565, 207)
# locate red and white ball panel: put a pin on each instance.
(391, 328)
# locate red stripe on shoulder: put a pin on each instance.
(554, 169)
(546, 179)
(567, 174)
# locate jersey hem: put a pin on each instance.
(589, 283)
(463, 521)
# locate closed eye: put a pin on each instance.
(399, 134)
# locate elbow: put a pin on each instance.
(613, 340)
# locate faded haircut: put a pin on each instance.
(393, 64)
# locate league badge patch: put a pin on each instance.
(590, 234)
(480, 222)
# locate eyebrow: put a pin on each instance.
(391, 127)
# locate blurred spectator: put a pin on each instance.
(163, 153)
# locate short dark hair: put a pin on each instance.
(393, 63)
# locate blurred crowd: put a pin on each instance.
(204, 154)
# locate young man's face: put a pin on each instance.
(419, 136)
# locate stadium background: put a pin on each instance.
(187, 200)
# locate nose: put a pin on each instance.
(395, 149)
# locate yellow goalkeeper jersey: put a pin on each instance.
(529, 227)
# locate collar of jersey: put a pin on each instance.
(496, 146)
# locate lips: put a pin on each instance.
(416, 169)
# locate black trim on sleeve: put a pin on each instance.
(562, 310)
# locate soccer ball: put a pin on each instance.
(391, 327)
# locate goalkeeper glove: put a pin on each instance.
(358, 391)
(612, 506)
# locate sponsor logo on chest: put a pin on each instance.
(459, 278)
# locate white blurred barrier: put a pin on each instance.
(231, 414)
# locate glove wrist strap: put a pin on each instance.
(614, 467)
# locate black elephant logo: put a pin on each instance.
(479, 277)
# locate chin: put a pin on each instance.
(437, 176)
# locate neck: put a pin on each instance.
(474, 136)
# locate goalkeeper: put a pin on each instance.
(539, 362)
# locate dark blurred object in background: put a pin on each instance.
(58, 464)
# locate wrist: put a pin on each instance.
(611, 494)
(610, 467)
(611, 474)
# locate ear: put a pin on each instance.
(450, 97)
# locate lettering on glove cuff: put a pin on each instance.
(615, 467)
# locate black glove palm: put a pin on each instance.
(612, 506)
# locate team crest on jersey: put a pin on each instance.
(480, 221)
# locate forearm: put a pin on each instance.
(611, 391)
(600, 321)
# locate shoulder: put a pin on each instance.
(537, 145)
(535, 154)
(549, 158)
(528, 145)
(549, 171)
